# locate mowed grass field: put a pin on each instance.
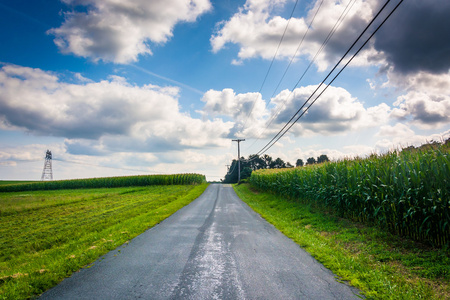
(47, 235)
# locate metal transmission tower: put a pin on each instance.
(47, 173)
(239, 158)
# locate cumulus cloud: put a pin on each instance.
(336, 111)
(32, 152)
(248, 110)
(120, 31)
(426, 99)
(399, 130)
(412, 40)
(238, 106)
(426, 110)
(257, 30)
(112, 114)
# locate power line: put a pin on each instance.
(271, 63)
(279, 134)
(349, 49)
(324, 43)
(298, 48)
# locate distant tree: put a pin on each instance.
(246, 173)
(267, 161)
(232, 175)
(253, 162)
(288, 165)
(277, 164)
(323, 158)
(299, 163)
(311, 161)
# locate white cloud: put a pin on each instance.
(32, 152)
(335, 112)
(119, 31)
(426, 102)
(427, 111)
(257, 30)
(81, 78)
(98, 117)
(399, 130)
(238, 107)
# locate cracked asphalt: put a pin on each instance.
(214, 248)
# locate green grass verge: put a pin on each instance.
(381, 265)
(47, 235)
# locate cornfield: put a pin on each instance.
(405, 192)
(107, 182)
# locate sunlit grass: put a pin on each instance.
(382, 265)
(47, 235)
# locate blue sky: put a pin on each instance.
(140, 87)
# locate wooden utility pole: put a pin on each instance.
(239, 158)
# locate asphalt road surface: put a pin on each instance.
(214, 248)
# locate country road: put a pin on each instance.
(214, 248)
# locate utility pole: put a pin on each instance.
(239, 158)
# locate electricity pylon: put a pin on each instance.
(47, 173)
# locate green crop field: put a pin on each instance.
(8, 182)
(105, 182)
(47, 235)
(406, 193)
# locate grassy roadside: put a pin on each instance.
(47, 235)
(382, 266)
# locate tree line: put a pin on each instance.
(256, 162)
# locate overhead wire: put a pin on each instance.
(324, 43)
(271, 63)
(279, 134)
(323, 81)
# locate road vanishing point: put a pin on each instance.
(214, 248)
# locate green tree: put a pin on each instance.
(311, 161)
(246, 173)
(277, 164)
(323, 158)
(299, 163)
(232, 175)
(267, 161)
